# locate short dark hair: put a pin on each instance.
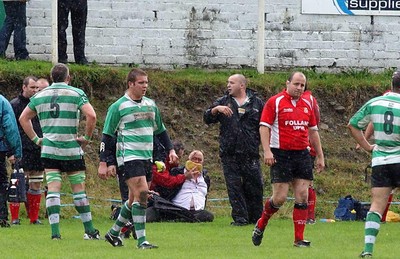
(27, 79)
(396, 79)
(134, 73)
(178, 145)
(59, 73)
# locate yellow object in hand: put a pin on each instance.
(190, 165)
(160, 166)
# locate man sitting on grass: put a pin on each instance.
(183, 193)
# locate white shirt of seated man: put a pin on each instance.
(192, 195)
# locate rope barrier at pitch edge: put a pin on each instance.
(208, 200)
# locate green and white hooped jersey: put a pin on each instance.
(384, 113)
(135, 124)
(58, 108)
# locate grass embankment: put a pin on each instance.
(183, 95)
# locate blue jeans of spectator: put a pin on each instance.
(15, 21)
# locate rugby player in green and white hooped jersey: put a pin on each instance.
(58, 107)
(136, 119)
(384, 113)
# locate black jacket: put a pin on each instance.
(239, 134)
(18, 104)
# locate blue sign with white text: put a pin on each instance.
(351, 7)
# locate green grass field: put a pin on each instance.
(201, 240)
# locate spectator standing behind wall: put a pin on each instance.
(15, 22)
(78, 10)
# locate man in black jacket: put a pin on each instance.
(31, 162)
(238, 113)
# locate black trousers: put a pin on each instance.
(165, 210)
(3, 187)
(78, 10)
(245, 187)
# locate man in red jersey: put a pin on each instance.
(287, 127)
(312, 196)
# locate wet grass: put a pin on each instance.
(203, 240)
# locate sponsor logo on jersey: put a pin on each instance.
(297, 125)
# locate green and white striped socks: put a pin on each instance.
(139, 221)
(372, 225)
(123, 217)
(83, 208)
(53, 203)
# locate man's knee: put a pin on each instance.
(143, 198)
(77, 178)
(53, 176)
(300, 206)
(35, 180)
(279, 197)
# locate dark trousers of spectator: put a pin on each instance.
(154, 214)
(3, 187)
(15, 21)
(78, 10)
(245, 187)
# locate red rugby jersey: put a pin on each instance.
(289, 122)
(314, 105)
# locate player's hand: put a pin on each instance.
(102, 171)
(111, 171)
(82, 142)
(269, 158)
(319, 164)
(371, 148)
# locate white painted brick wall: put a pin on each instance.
(221, 33)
